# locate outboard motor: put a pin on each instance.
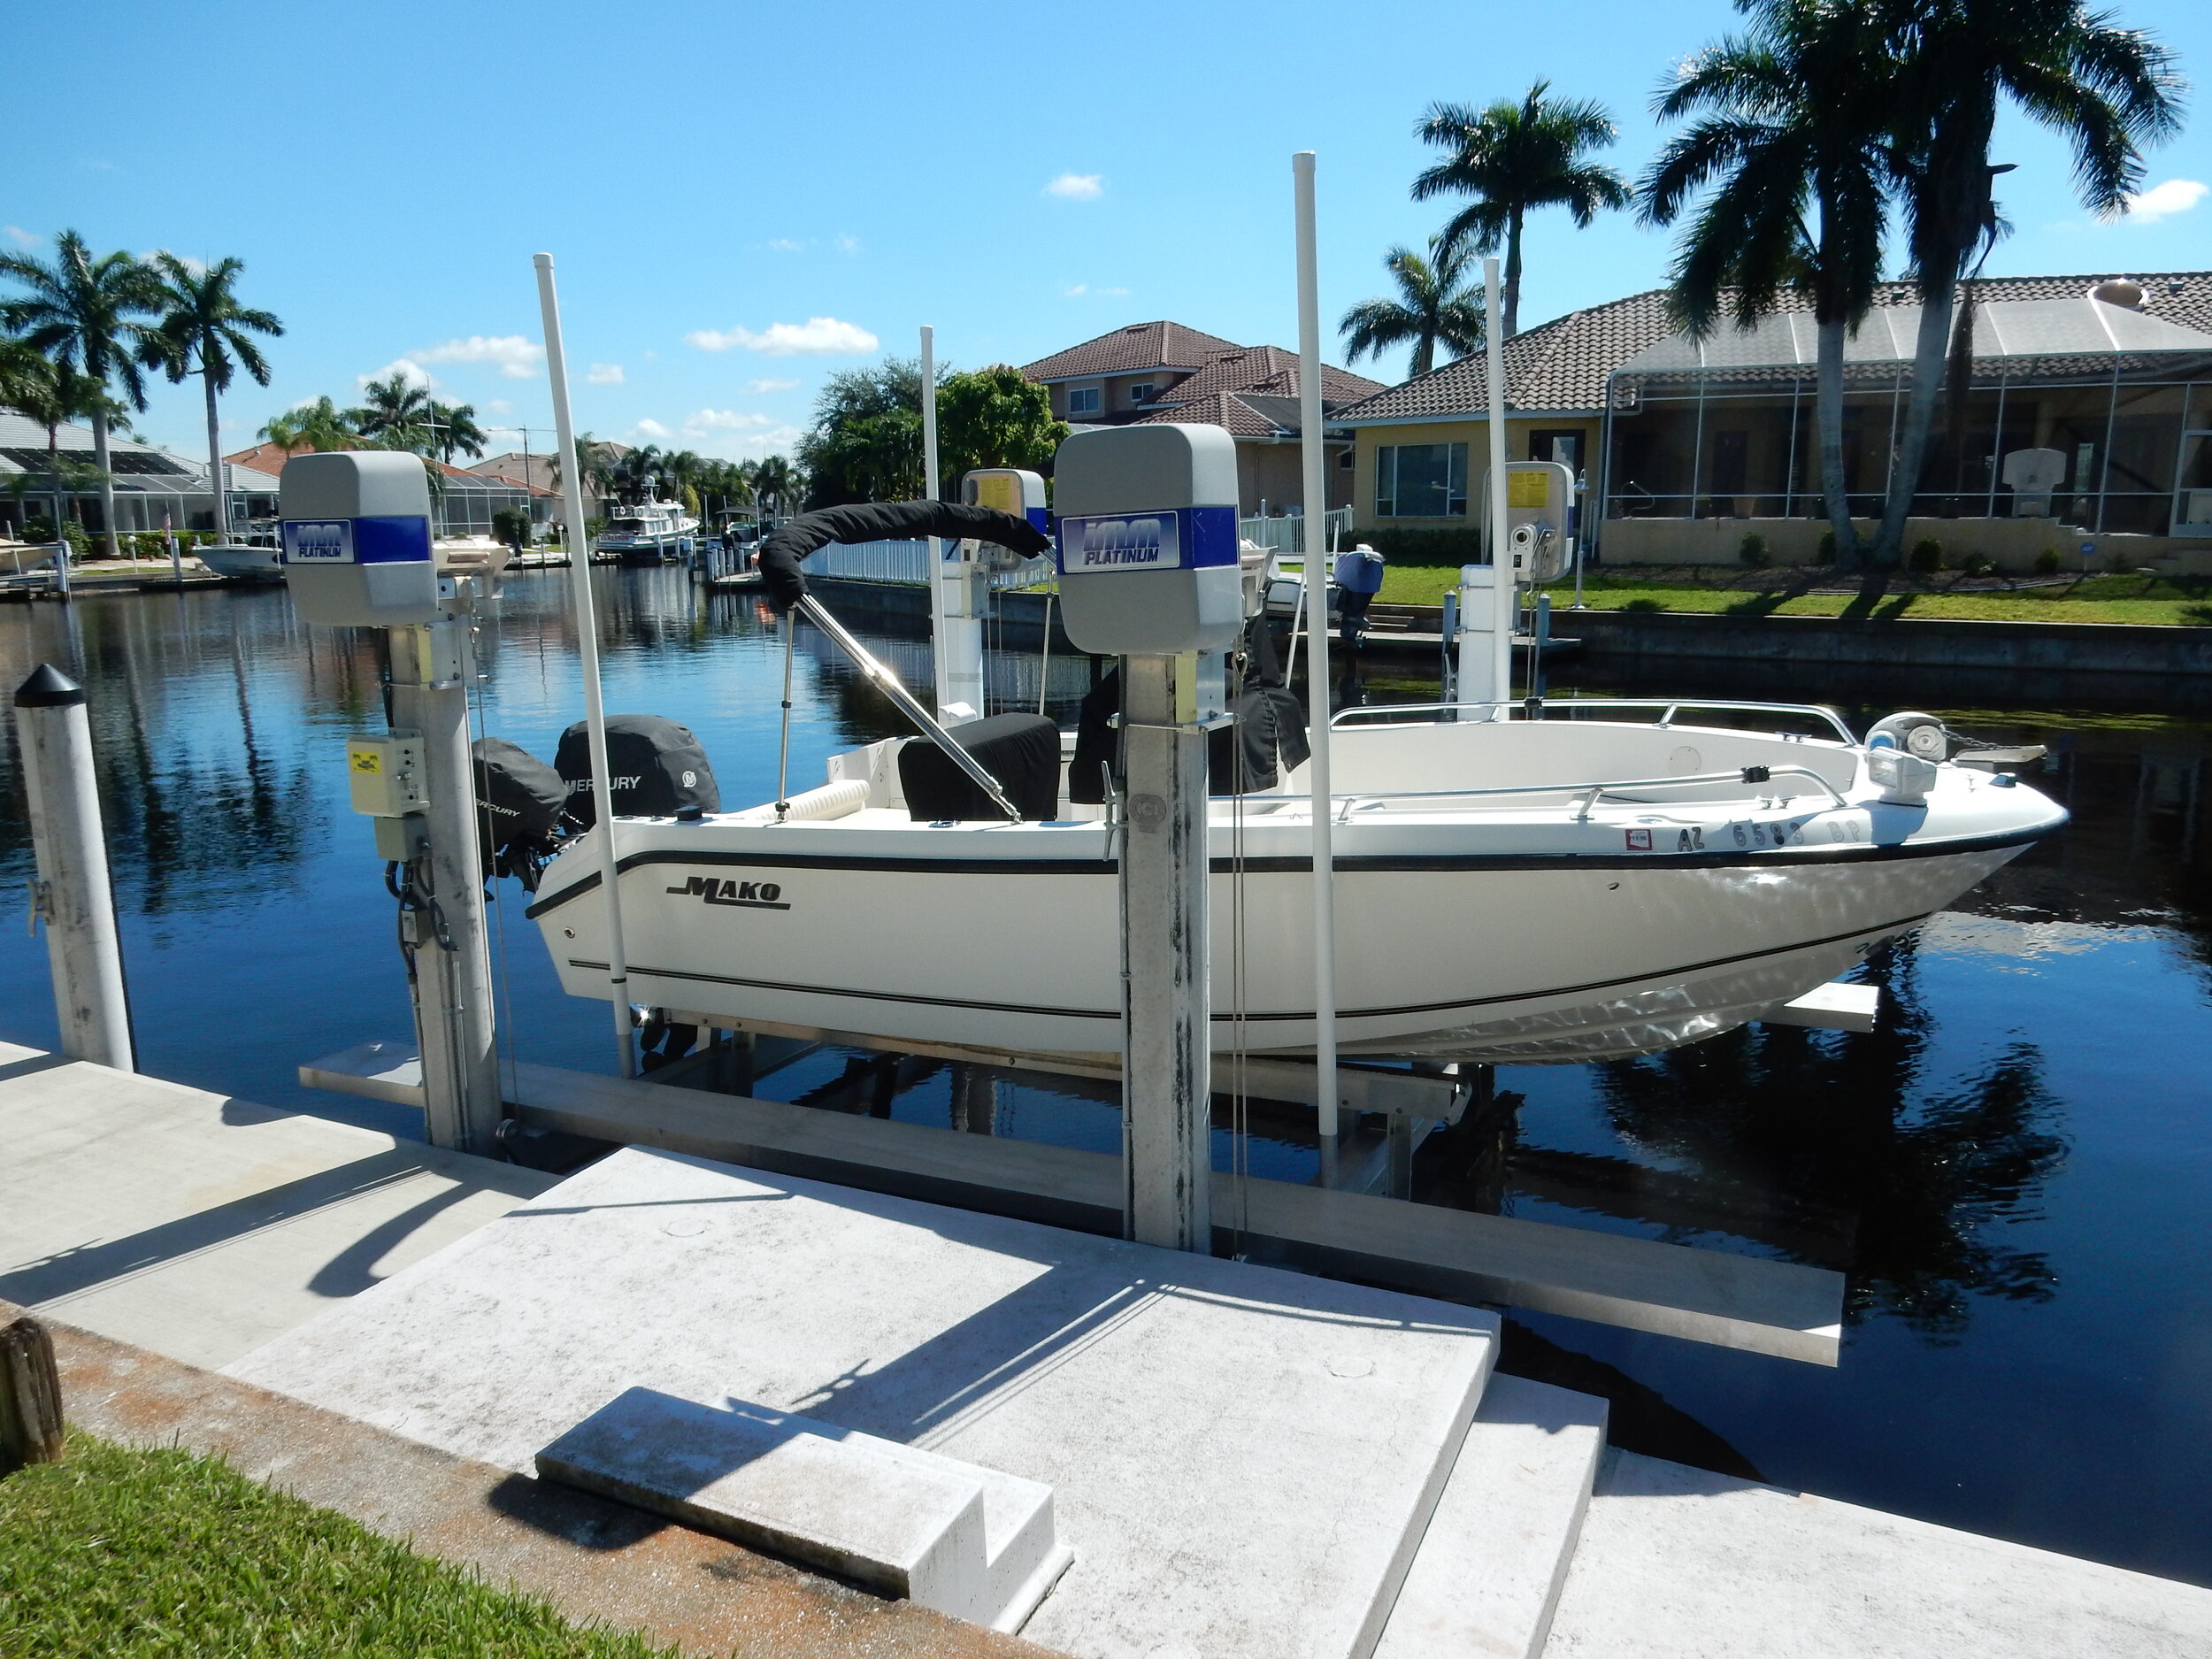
(518, 802)
(657, 770)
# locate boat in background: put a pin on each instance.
(647, 533)
(255, 557)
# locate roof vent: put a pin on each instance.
(2119, 291)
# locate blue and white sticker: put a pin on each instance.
(318, 541)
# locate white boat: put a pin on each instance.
(648, 533)
(1554, 890)
(23, 558)
(243, 561)
(478, 553)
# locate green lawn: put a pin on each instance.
(131, 1554)
(2105, 598)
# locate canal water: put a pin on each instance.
(2015, 1171)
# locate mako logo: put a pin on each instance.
(744, 895)
(1150, 543)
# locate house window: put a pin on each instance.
(1558, 446)
(1082, 399)
(1141, 393)
(1421, 480)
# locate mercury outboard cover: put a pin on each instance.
(657, 769)
(518, 802)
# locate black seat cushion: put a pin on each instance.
(1021, 750)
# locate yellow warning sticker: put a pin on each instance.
(1527, 489)
(1000, 492)
(368, 759)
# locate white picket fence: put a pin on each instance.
(1288, 535)
(907, 563)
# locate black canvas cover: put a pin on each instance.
(1021, 750)
(1270, 731)
(778, 560)
(655, 767)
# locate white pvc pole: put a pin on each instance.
(944, 647)
(1504, 593)
(1317, 587)
(588, 641)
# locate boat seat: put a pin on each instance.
(1021, 750)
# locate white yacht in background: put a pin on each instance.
(255, 556)
(647, 533)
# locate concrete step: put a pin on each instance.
(904, 1522)
(1679, 1563)
(1487, 1576)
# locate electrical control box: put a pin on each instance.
(1538, 518)
(357, 538)
(385, 774)
(1005, 489)
(1147, 539)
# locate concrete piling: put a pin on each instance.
(71, 891)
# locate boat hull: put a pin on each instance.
(1440, 953)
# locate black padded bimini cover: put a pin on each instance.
(778, 560)
(519, 797)
(657, 769)
(1021, 750)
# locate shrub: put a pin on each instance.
(2050, 561)
(511, 525)
(1752, 551)
(1926, 555)
(1825, 553)
(1977, 565)
(42, 529)
(1425, 547)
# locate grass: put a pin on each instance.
(164, 1555)
(2134, 598)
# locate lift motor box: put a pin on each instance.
(1004, 489)
(384, 773)
(1538, 518)
(356, 539)
(1147, 539)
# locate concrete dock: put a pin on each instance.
(171, 1225)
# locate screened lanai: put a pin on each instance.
(2090, 414)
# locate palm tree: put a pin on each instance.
(1434, 307)
(80, 311)
(204, 331)
(320, 426)
(396, 413)
(1792, 155)
(454, 431)
(2109, 90)
(34, 386)
(774, 480)
(1516, 158)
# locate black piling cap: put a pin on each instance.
(48, 687)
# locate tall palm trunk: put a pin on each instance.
(107, 481)
(1424, 353)
(1828, 422)
(215, 463)
(1513, 275)
(1931, 349)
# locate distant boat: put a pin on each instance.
(648, 533)
(23, 558)
(241, 562)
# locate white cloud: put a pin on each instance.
(1080, 289)
(604, 375)
(406, 368)
(848, 244)
(23, 238)
(2163, 201)
(516, 358)
(1077, 187)
(824, 335)
(702, 422)
(197, 267)
(499, 406)
(761, 389)
(786, 244)
(651, 429)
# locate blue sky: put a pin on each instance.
(744, 198)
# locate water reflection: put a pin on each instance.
(2003, 1170)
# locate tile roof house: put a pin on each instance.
(1162, 372)
(1679, 441)
(464, 504)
